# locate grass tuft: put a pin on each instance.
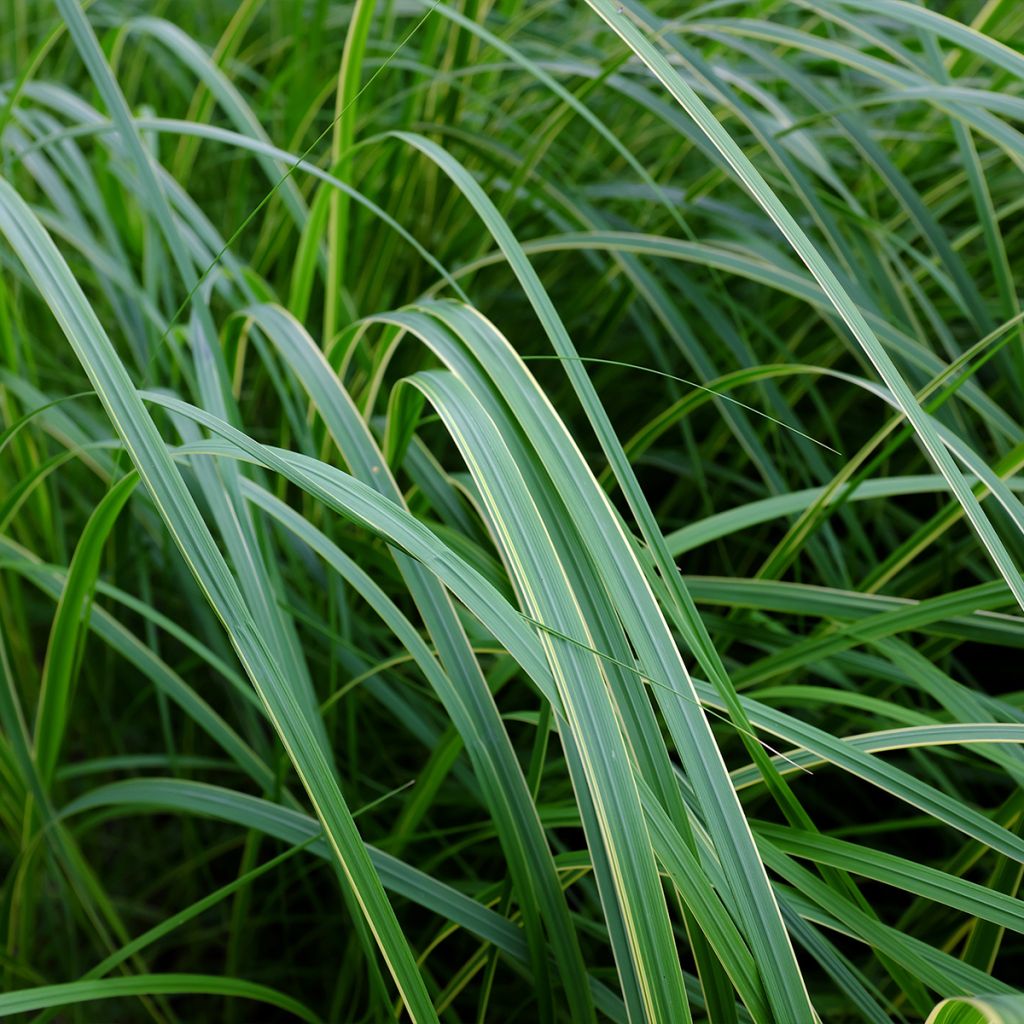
(511, 512)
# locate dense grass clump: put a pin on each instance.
(510, 511)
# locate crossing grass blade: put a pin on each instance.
(182, 519)
(80, 992)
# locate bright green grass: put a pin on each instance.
(511, 512)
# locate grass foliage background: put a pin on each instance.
(510, 511)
